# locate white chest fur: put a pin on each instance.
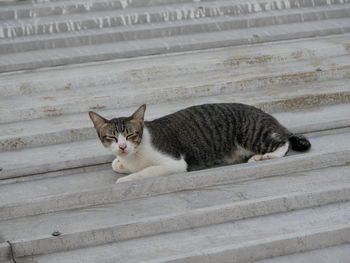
(146, 161)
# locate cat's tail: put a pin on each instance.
(299, 142)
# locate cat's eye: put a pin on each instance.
(110, 138)
(131, 136)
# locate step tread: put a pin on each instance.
(210, 238)
(336, 254)
(64, 3)
(127, 25)
(63, 102)
(164, 66)
(78, 127)
(171, 8)
(53, 158)
(75, 55)
(44, 199)
(32, 5)
(227, 74)
(182, 203)
(79, 17)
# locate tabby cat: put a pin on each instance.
(193, 138)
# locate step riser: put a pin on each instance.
(58, 137)
(340, 252)
(163, 47)
(195, 12)
(304, 102)
(33, 11)
(170, 223)
(175, 183)
(177, 93)
(78, 8)
(171, 30)
(263, 249)
(52, 167)
(120, 72)
(59, 173)
(86, 133)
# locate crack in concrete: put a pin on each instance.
(12, 255)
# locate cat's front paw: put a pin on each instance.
(118, 167)
(124, 179)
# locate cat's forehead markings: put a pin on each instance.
(123, 126)
(116, 126)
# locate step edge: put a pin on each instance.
(174, 183)
(269, 247)
(181, 221)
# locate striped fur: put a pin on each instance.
(208, 135)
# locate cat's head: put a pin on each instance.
(123, 135)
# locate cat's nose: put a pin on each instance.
(122, 146)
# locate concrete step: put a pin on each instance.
(174, 13)
(30, 9)
(282, 67)
(58, 103)
(183, 210)
(125, 49)
(62, 102)
(244, 240)
(95, 35)
(336, 254)
(66, 8)
(45, 189)
(88, 188)
(113, 98)
(78, 127)
(241, 59)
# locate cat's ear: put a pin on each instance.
(97, 120)
(139, 114)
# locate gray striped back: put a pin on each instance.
(207, 135)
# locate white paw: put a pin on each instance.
(267, 156)
(118, 167)
(255, 158)
(124, 179)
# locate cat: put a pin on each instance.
(194, 138)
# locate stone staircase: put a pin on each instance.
(58, 197)
(64, 32)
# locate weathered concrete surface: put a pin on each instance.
(51, 104)
(93, 32)
(55, 175)
(51, 23)
(178, 211)
(125, 49)
(337, 254)
(248, 58)
(243, 241)
(323, 156)
(77, 127)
